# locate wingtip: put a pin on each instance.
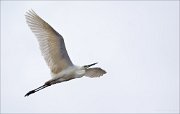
(30, 11)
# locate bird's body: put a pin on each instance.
(69, 73)
(55, 54)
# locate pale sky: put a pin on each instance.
(136, 42)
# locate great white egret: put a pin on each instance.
(54, 51)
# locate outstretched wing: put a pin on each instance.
(51, 43)
(95, 72)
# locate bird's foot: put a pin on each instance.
(30, 92)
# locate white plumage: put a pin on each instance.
(54, 52)
(51, 43)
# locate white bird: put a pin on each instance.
(54, 52)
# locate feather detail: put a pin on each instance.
(94, 72)
(51, 43)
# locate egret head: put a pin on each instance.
(87, 66)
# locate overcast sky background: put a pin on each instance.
(136, 42)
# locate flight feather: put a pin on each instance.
(51, 43)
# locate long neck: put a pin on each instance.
(80, 72)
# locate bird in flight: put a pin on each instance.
(55, 54)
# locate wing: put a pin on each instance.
(95, 72)
(51, 43)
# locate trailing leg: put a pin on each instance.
(37, 89)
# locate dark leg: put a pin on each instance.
(37, 89)
(48, 83)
